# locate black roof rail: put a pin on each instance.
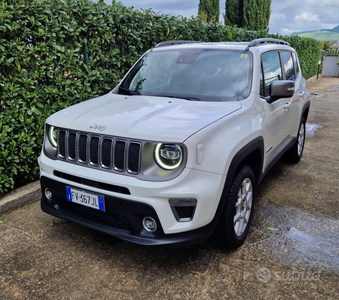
(174, 42)
(261, 41)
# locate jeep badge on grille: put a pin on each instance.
(99, 127)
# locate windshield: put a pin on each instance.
(193, 74)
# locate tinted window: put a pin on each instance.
(288, 65)
(296, 66)
(201, 74)
(272, 69)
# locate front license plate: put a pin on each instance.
(85, 198)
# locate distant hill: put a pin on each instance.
(335, 29)
(321, 35)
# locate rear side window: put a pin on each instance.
(272, 71)
(289, 66)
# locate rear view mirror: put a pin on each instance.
(281, 89)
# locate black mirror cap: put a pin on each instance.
(281, 89)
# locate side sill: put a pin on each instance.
(277, 155)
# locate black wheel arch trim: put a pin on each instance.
(305, 108)
(255, 147)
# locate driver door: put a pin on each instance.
(275, 122)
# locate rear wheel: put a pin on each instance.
(236, 218)
(294, 154)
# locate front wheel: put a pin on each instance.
(236, 218)
(294, 154)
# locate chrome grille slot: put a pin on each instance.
(71, 145)
(106, 151)
(62, 144)
(94, 151)
(83, 148)
(119, 155)
(133, 157)
(103, 152)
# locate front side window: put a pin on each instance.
(288, 65)
(271, 69)
(193, 74)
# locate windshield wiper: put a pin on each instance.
(179, 97)
(188, 98)
(128, 91)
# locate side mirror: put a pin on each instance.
(281, 89)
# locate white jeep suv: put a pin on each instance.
(180, 145)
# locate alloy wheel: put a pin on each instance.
(243, 207)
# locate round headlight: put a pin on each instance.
(168, 156)
(53, 136)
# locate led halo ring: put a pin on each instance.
(52, 139)
(160, 161)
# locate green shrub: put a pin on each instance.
(56, 53)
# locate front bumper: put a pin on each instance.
(122, 218)
(134, 199)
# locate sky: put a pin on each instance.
(287, 16)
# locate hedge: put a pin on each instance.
(56, 53)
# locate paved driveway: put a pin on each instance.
(292, 251)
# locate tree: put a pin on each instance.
(233, 13)
(326, 45)
(251, 14)
(209, 10)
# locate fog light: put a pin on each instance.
(48, 194)
(149, 224)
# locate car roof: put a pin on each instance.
(266, 43)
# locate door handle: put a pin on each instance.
(287, 105)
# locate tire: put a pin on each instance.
(236, 218)
(294, 154)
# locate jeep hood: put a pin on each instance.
(142, 117)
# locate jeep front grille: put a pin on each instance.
(105, 152)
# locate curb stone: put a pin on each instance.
(20, 197)
(313, 78)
